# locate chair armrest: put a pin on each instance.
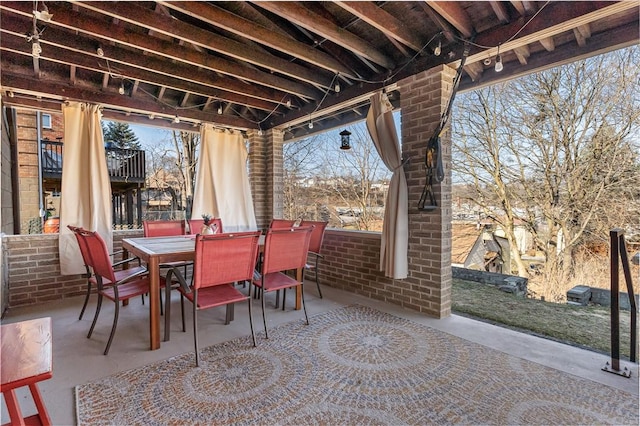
(124, 261)
(116, 252)
(316, 254)
(183, 283)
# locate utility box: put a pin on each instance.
(579, 295)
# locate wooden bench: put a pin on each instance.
(25, 360)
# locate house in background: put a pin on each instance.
(479, 246)
(40, 142)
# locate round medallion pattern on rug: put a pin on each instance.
(353, 365)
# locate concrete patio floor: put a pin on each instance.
(78, 360)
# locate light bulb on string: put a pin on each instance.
(499, 66)
(220, 109)
(36, 50)
(288, 103)
(121, 89)
(311, 124)
(438, 50)
(336, 88)
(100, 52)
(176, 119)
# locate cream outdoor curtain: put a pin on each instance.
(86, 190)
(222, 183)
(395, 229)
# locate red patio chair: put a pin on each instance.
(281, 223)
(91, 280)
(163, 228)
(166, 228)
(195, 225)
(220, 260)
(114, 285)
(315, 245)
(284, 249)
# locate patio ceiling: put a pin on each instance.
(251, 65)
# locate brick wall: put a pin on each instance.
(423, 98)
(351, 262)
(275, 172)
(34, 268)
(29, 186)
(258, 177)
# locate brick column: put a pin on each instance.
(28, 177)
(266, 174)
(423, 98)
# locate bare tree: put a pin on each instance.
(326, 183)
(171, 166)
(557, 150)
(186, 147)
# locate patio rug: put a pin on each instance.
(351, 366)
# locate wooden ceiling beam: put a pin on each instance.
(117, 34)
(500, 11)
(137, 15)
(317, 24)
(162, 76)
(237, 25)
(519, 7)
(621, 37)
(455, 15)
(548, 44)
(582, 33)
(445, 27)
(383, 21)
(554, 19)
(63, 92)
(522, 53)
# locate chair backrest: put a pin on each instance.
(84, 251)
(317, 235)
(281, 223)
(286, 248)
(163, 228)
(225, 258)
(195, 225)
(97, 254)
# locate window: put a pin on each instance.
(46, 121)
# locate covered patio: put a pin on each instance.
(280, 71)
(78, 360)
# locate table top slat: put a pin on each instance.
(26, 352)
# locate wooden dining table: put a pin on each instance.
(155, 251)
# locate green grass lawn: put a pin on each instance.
(584, 326)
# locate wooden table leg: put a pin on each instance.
(299, 289)
(13, 407)
(154, 302)
(42, 410)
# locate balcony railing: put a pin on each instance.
(124, 165)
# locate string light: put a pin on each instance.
(438, 50)
(288, 103)
(121, 88)
(100, 52)
(151, 116)
(311, 124)
(336, 88)
(220, 109)
(176, 119)
(36, 50)
(498, 66)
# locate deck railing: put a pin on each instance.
(619, 256)
(124, 165)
